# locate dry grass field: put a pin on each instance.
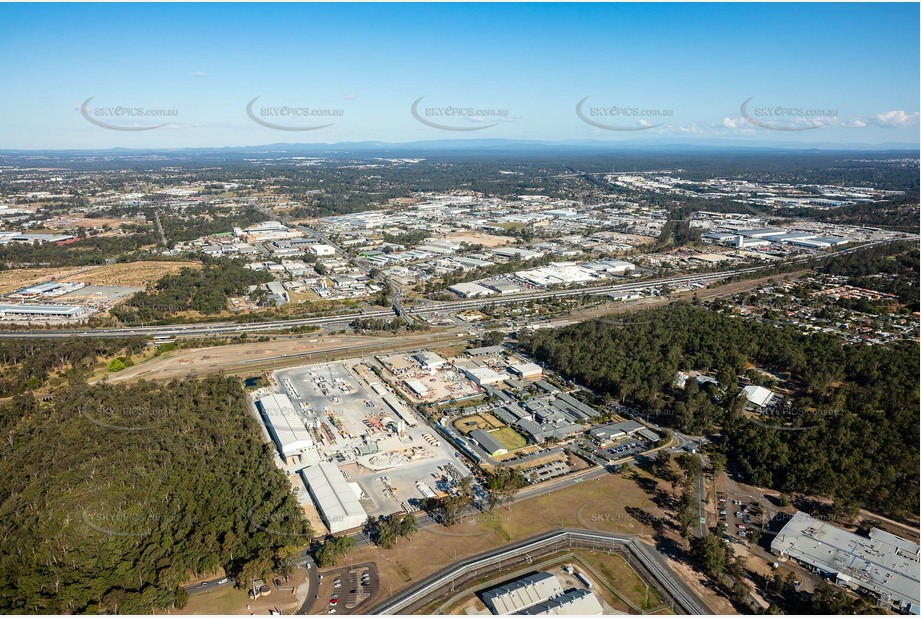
(476, 238)
(11, 280)
(139, 274)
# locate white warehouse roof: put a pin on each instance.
(335, 499)
(758, 395)
(285, 424)
(575, 603)
(884, 564)
(522, 593)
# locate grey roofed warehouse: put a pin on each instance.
(334, 497)
(885, 565)
(489, 444)
(522, 593)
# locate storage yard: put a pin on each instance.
(390, 457)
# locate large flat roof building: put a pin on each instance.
(285, 425)
(574, 603)
(483, 375)
(611, 431)
(336, 501)
(489, 444)
(43, 311)
(526, 370)
(884, 565)
(522, 593)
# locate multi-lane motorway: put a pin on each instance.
(232, 328)
(215, 328)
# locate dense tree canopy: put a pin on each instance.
(849, 429)
(114, 496)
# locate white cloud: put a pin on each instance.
(729, 123)
(349, 97)
(896, 118)
(199, 74)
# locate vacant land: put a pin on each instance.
(11, 280)
(619, 575)
(137, 274)
(487, 240)
(604, 503)
(258, 356)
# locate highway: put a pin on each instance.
(233, 328)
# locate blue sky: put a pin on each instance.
(814, 73)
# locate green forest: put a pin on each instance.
(114, 496)
(27, 364)
(849, 428)
(203, 290)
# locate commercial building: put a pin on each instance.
(23, 311)
(285, 425)
(417, 387)
(335, 498)
(483, 375)
(574, 603)
(470, 290)
(522, 594)
(612, 431)
(490, 350)
(526, 370)
(430, 360)
(489, 444)
(321, 250)
(884, 565)
(758, 395)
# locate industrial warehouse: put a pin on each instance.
(286, 426)
(336, 498)
(44, 312)
(542, 594)
(882, 565)
(357, 447)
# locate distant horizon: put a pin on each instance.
(473, 144)
(202, 75)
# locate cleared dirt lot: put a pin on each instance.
(255, 357)
(138, 274)
(487, 240)
(16, 278)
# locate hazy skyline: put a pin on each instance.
(811, 73)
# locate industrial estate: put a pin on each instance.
(583, 309)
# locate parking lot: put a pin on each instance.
(628, 447)
(346, 590)
(736, 518)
